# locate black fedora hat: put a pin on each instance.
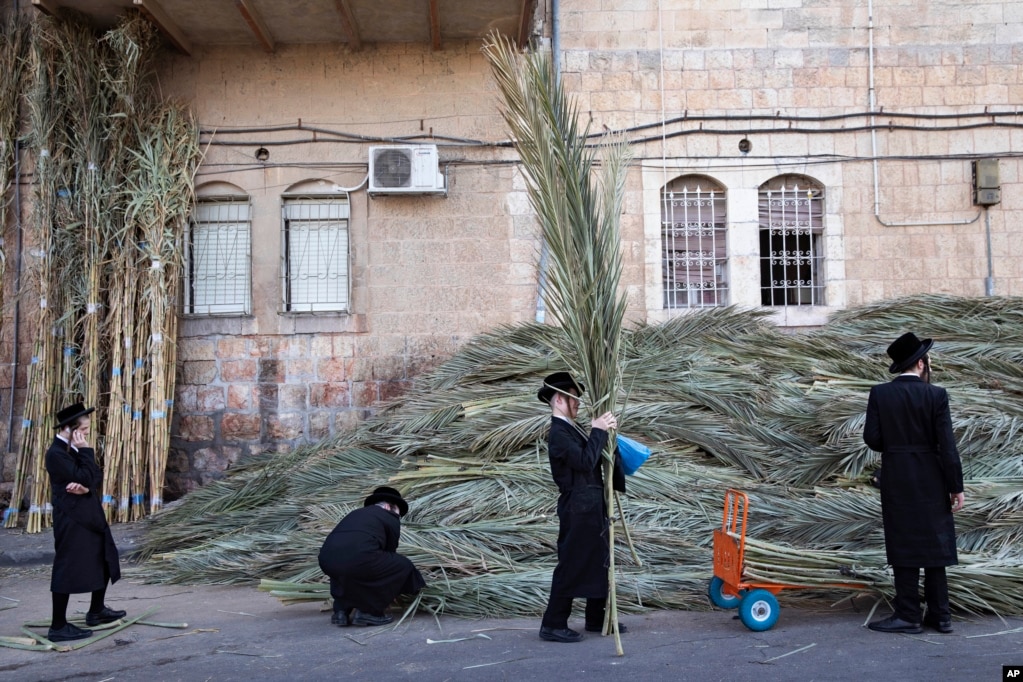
(71, 413)
(558, 382)
(906, 350)
(385, 494)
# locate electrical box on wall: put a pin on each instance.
(986, 185)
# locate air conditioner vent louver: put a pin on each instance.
(405, 169)
(392, 168)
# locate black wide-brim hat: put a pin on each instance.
(559, 381)
(906, 350)
(71, 413)
(385, 494)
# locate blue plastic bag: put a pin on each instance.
(633, 454)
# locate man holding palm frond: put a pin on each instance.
(583, 549)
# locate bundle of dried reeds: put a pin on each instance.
(725, 399)
(114, 167)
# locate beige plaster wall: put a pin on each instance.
(635, 63)
(427, 272)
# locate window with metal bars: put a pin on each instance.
(315, 267)
(791, 242)
(217, 258)
(694, 250)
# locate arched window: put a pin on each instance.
(315, 270)
(694, 251)
(218, 253)
(791, 241)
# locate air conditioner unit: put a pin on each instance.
(405, 169)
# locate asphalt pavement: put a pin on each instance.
(239, 633)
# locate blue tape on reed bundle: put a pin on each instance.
(108, 499)
(139, 362)
(9, 512)
(156, 501)
(116, 371)
(68, 351)
(26, 423)
(127, 409)
(170, 402)
(138, 499)
(157, 414)
(35, 360)
(137, 414)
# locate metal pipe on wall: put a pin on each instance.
(872, 103)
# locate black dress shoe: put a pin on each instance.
(67, 633)
(566, 635)
(940, 624)
(107, 615)
(342, 618)
(600, 628)
(369, 619)
(895, 624)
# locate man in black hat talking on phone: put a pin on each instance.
(921, 481)
(583, 550)
(85, 557)
(360, 558)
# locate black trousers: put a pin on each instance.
(907, 593)
(560, 608)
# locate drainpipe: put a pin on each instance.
(541, 310)
(873, 139)
(989, 281)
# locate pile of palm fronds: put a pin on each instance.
(724, 398)
(113, 183)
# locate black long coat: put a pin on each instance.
(85, 555)
(583, 552)
(360, 557)
(909, 423)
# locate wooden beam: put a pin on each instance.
(46, 7)
(156, 14)
(348, 25)
(525, 22)
(434, 25)
(256, 24)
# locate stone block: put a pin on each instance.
(329, 395)
(210, 399)
(186, 398)
(293, 396)
(232, 348)
(332, 369)
(234, 371)
(267, 396)
(195, 428)
(285, 426)
(239, 397)
(365, 393)
(195, 349)
(319, 425)
(271, 371)
(199, 372)
(240, 427)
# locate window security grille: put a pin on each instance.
(791, 243)
(217, 259)
(694, 252)
(315, 268)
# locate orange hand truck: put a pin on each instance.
(758, 607)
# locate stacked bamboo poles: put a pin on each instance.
(579, 222)
(160, 200)
(13, 47)
(115, 168)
